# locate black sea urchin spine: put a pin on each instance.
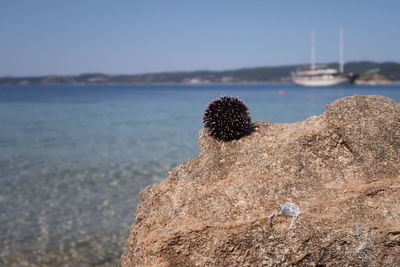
(227, 118)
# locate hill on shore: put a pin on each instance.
(388, 70)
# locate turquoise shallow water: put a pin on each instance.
(73, 158)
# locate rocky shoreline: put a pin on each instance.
(342, 169)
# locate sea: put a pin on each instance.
(73, 158)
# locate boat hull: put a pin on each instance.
(321, 82)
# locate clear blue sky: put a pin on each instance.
(79, 36)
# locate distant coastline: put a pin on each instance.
(370, 73)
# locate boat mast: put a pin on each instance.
(312, 50)
(341, 51)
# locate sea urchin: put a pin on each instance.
(227, 118)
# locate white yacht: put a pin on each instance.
(320, 75)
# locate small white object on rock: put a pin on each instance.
(287, 208)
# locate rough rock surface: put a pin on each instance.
(341, 168)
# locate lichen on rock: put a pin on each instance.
(342, 168)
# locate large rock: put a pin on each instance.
(341, 168)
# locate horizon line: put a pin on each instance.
(188, 71)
